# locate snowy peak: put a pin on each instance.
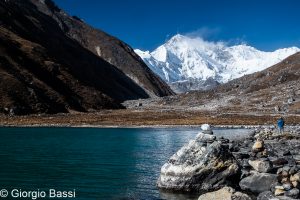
(193, 61)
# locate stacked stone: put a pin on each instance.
(259, 160)
(256, 172)
(209, 163)
(288, 182)
(285, 183)
(202, 165)
(263, 134)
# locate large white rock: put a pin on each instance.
(198, 166)
(204, 137)
(261, 165)
(205, 127)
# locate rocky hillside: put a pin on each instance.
(274, 90)
(45, 70)
(107, 47)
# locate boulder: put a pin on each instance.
(258, 146)
(279, 161)
(294, 193)
(286, 153)
(226, 193)
(268, 195)
(245, 163)
(293, 170)
(295, 177)
(241, 154)
(295, 184)
(199, 168)
(261, 165)
(297, 158)
(202, 137)
(206, 129)
(279, 191)
(287, 186)
(280, 187)
(258, 182)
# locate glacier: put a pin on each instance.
(187, 63)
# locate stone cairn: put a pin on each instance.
(288, 182)
(262, 166)
(277, 161)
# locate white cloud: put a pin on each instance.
(204, 32)
(213, 35)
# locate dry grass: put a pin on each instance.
(144, 118)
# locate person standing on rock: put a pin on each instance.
(280, 124)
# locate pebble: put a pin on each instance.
(286, 153)
(294, 193)
(293, 170)
(261, 165)
(258, 146)
(279, 187)
(295, 177)
(279, 192)
(295, 184)
(286, 168)
(287, 186)
(285, 173)
(279, 162)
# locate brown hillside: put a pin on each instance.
(43, 70)
(109, 48)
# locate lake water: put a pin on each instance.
(100, 163)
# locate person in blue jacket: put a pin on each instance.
(280, 124)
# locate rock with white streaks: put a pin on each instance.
(197, 167)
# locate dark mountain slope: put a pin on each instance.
(44, 70)
(107, 47)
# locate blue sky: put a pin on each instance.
(146, 24)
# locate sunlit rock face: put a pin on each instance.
(202, 165)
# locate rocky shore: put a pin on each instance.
(264, 166)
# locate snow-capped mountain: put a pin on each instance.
(191, 63)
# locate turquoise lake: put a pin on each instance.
(100, 163)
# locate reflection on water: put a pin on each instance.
(106, 163)
(177, 196)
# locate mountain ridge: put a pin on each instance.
(274, 90)
(109, 48)
(191, 63)
(44, 70)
